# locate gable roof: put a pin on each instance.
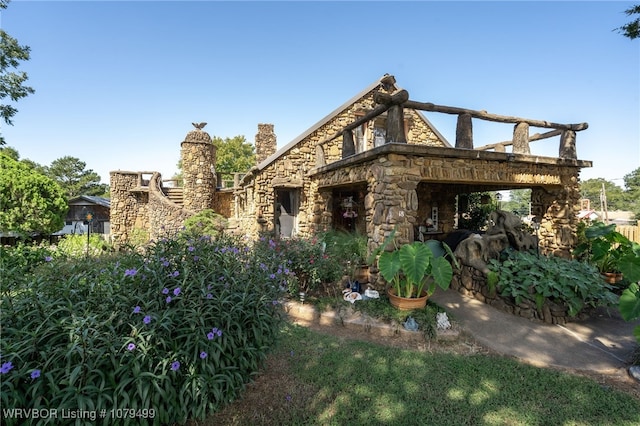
(104, 202)
(335, 113)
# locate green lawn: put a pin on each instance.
(316, 379)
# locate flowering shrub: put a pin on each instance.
(305, 261)
(172, 334)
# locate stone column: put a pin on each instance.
(198, 170)
(124, 206)
(266, 143)
(558, 208)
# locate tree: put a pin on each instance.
(233, 155)
(632, 29)
(31, 202)
(70, 173)
(592, 188)
(632, 192)
(11, 82)
(519, 200)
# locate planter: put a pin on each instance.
(407, 303)
(612, 277)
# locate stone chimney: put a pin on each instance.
(265, 142)
(198, 155)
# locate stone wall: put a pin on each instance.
(129, 201)
(165, 218)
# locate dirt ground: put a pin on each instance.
(253, 406)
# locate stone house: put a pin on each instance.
(374, 163)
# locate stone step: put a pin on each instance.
(175, 195)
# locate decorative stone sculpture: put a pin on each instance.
(505, 231)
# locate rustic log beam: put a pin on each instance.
(521, 139)
(464, 132)
(532, 138)
(348, 147)
(484, 115)
(568, 145)
(395, 125)
(379, 109)
(396, 98)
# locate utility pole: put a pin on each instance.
(603, 204)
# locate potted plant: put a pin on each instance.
(612, 253)
(413, 272)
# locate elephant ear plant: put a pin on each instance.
(412, 267)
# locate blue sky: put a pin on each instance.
(119, 83)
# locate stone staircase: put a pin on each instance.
(175, 195)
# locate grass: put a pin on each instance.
(318, 379)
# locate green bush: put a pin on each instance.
(307, 262)
(566, 282)
(172, 334)
(206, 222)
(78, 245)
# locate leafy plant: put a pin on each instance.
(174, 333)
(206, 222)
(610, 251)
(630, 306)
(575, 284)
(413, 266)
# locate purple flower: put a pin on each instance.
(191, 248)
(272, 276)
(48, 258)
(209, 296)
(211, 335)
(288, 398)
(136, 310)
(130, 272)
(165, 291)
(203, 355)
(214, 330)
(175, 365)
(147, 319)
(177, 291)
(196, 258)
(168, 299)
(35, 374)
(175, 274)
(6, 367)
(274, 302)
(219, 333)
(131, 347)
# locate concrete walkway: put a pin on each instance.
(602, 344)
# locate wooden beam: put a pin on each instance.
(484, 115)
(532, 138)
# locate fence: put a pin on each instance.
(629, 231)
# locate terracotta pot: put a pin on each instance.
(611, 277)
(407, 303)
